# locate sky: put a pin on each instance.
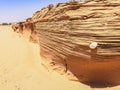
(19, 10)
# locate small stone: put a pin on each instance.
(93, 45)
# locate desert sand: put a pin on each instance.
(21, 67)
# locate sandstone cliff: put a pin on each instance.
(65, 32)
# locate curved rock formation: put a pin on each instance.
(18, 27)
(28, 25)
(65, 32)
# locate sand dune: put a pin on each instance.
(21, 68)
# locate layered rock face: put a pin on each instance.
(66, 31)
(27, 26)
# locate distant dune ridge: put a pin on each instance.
(65, 32)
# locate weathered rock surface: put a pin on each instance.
(18, 27)
(65, 32)
(28, 25)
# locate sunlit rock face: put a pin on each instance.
(82, 38)
(27, 26)
(18, 27)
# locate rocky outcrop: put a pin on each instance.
(18, 27)
(28, 26)
(66, 31)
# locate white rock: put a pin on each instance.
(93, 45)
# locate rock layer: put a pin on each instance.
(27, 26)
(75, 24)
(65, 32)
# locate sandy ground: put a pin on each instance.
(21, 68)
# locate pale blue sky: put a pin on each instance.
(19, 10)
